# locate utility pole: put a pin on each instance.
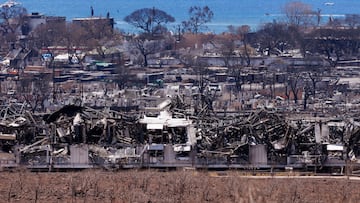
(49, 62)
(53, 79)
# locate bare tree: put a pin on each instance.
(275, 38)
(226, 47)
(73, 37)
(40, 91)
(45, 35)
(307, 94)
(11, 20)
(318, 16)
(236, 71)
(315, 77)
(299, 14)
(334, 44)
(236, 52)
(294, 83)
(198, 18)
(97, 34)
(149, 20)
(144, 45)
(352, 20)
(241, 34)
(124, 76)
(311, 78)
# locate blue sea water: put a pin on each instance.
(226, 12)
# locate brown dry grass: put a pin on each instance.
(174, 186)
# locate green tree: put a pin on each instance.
(198, 18)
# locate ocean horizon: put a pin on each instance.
(226, 12)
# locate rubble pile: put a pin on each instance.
(231, 136)
(103, 131)
(80, 136)
(17, 125)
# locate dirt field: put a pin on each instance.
(173, 186)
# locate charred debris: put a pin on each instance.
(171, 136)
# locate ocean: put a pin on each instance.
(226, 12)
